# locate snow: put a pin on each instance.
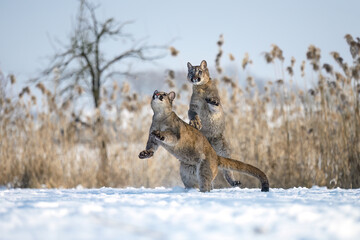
(174, 213)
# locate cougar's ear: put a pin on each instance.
(171, 96)
(203, 64)
(189, 65)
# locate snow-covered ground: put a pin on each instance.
(163, 213)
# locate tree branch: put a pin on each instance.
(83, 59)
(128, 53)
(118, 73)
(89, 64)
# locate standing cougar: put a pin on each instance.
(206, 114)
(190, 146)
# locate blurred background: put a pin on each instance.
(77, 76)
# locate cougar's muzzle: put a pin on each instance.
(158, 95)
(196, 80)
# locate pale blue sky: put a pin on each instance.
(248, 26)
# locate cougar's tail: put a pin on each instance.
(239, 166)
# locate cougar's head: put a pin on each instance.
(198, 75)
(162, 102)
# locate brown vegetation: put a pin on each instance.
(298, 137)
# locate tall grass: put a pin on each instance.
(298, 137)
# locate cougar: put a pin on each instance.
(199, 163)
(206, 114)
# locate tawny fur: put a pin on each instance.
(206, 114)
(199, 162)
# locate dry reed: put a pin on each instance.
(300, 137)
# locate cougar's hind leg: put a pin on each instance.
(230, 178)
(226, 179)
(205, 176)
(188, 175)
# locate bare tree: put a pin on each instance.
(83, 63)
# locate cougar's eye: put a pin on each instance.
(161, 97)
(200, 72)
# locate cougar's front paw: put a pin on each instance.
(158, 135)
(213, 101)
(196, 122)
(146, 154)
